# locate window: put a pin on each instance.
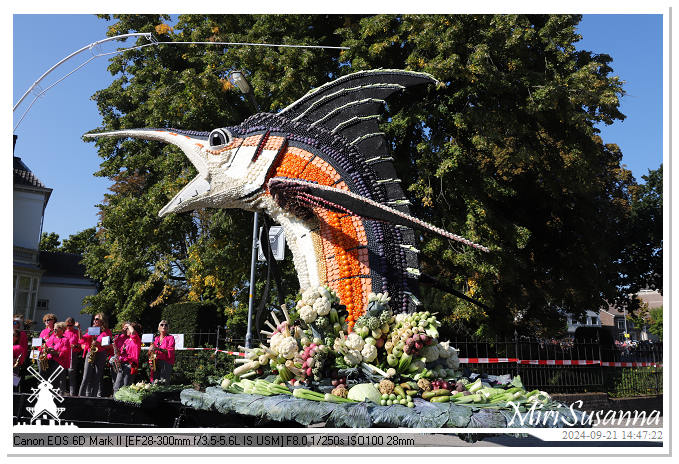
(25, 294)
(43, 305)
(620, 323)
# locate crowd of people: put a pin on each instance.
(85, 354)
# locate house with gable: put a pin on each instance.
(43, 282)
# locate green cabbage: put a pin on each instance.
(364, 391)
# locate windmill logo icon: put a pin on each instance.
(46, 396)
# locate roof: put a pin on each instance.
(651, 297)
(56, 263)
(25, 177)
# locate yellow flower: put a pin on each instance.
(163, 29)
(226, 85)
(473, 286)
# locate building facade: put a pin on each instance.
(43, 282)
(616, 319)
(30, 201)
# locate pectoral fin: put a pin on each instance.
(298, 195)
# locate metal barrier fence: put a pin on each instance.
(569, 366)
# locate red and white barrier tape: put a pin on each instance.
(630, 364)
(557, 362)
(487, 360)
(533, 362)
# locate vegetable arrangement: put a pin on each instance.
(140, 391)
(384, 358)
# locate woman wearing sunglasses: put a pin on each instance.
(129, 357)
(163, 345)
(49, 320)
(94, 362)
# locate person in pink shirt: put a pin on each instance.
(23, 337)
(49, 320)
(93, 372)
(18, 359)
(163, 345)
(118, 342)
(59, 354)
(73, 335)
(129, 357)
(17, 350)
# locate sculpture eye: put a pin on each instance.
(219, 137)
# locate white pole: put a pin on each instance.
(253, 263)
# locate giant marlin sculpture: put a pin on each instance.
(321, 169)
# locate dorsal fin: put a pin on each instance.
(351, 106)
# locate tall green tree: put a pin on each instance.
(49, 242)
(507, 154)
(78, 243)
(75, 243)
(504, 151)
(642, 255)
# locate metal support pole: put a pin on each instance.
(253, 263)
(216, 347)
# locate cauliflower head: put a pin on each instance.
(369, 352)
(288, 347)
(307, 314)
(354, 342)
(353, 358)
(322, 306)
(275, 341)
(310, 295)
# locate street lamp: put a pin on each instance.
(237, 78)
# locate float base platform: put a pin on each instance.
(165, 412)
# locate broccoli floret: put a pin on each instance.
(374, 323)
(322, 322)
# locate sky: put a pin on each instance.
(50, 135)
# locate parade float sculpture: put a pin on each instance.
(321, 169)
